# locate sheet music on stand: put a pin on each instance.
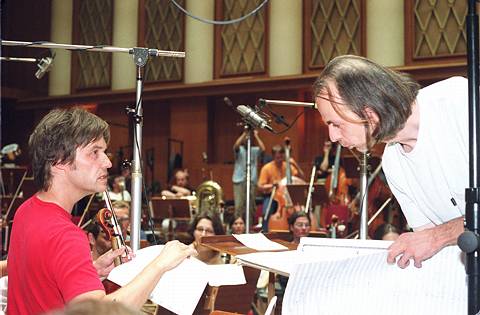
(352, 277)
(180, 289)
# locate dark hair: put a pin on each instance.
(296, 215)
(58, 135)
(235, 217)
(93, 228)
(216, 222)
(362, 83)
(112, 178)
(383, 230)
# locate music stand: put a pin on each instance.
(172, 209)
(164, 208)
(299, 192)
(11, 178)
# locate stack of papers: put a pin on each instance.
(179, 289)
(338, 276)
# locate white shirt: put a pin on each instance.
(121, 196)
(429, 182)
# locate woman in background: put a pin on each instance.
(299, 225)
(206, 224)
(237, 224)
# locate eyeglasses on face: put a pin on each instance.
(202, 229)
(302, 225)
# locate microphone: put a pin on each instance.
(264, 102)
(253, 118)
(44, 66)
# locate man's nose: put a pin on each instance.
(107, 162)
(333, 134)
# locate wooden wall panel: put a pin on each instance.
(188, 119)
(156, 130)
(115, 115)
(24, 20)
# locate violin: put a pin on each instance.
(108, 221)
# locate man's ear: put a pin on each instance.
(372, 117)
(60, 166)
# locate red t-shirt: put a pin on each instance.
(49, 260)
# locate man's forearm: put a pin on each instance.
(448, 232)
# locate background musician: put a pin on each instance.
(179, 186)
(119, 191)
(325, 161)
(239, 177)
(99, 244)
(50, 256)
(206, 224)
(299, 225)
(426, 156)
(237, 224)
(270, 175)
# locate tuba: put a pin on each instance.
(209, 197)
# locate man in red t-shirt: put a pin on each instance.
(49, 262)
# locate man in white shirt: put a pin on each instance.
(426, 156)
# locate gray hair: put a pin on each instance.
(363, 83)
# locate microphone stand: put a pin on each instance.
(364, 195)
(140, 57)
(469, 240)
(248, 200)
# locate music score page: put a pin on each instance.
(353, 277)
(179, 289)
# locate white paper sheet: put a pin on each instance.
(357, 280)
(278, 262)
(259, 242)
(229, 274)
(178, 290)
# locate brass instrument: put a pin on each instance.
(209, 197)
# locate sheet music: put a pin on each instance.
(228, 274)
(178, 290)
(259, 242)
(361, 282)
(278, 262)
(337, 249)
